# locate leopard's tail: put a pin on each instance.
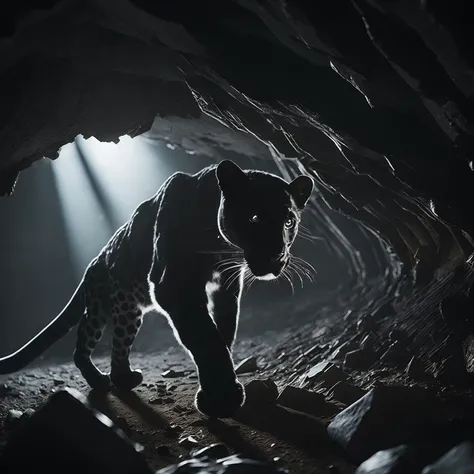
(55, 330)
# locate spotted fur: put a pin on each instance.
(186, 253)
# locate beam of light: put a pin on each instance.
(99, 186)
(128, 172)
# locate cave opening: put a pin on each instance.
(104, 102)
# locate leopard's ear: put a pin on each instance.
(229, 175)
(300, 189)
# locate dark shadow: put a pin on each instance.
(230, 436)
(36, 269)
(112, 221)
(99, 400)
(147, 413)
(298, 429)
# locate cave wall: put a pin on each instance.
(373, 99)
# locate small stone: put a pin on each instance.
(382, 418)
(247, 365)
(163, 450)
(213, 451)
(155, 401)
(188, 442)
(28, 413)
(13, 416)
(312, 350)
(345, 392)
(325, 373)
(317, 369)
(458, 460)
(306, 401)
(171, 387)
(401, 459)
(359, 359)
(261, 391)
(58, 382)
(341, 351)
(171, 374)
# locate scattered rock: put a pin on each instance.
(231, 464)
(325, 374)
(340, 352)
(28, 413)
(312, 350)
(383, 418)
(163, 450)
(247, 365)
(213, 451)
(155, 401)
(171, 374)
(359, 359)
(404, 459)
(261, 391)
(345, 392)
(307, 401)
(58, 382)
(188, 442)
(459, 460)
(13, 416)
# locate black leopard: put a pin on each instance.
(185, 252)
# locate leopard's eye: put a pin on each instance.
(290, 223)
(254, 219)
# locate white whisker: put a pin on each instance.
(285, 275)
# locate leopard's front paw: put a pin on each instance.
(220, 402)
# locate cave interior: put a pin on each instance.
(361, 363)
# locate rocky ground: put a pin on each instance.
(323, 396)
(316, 375)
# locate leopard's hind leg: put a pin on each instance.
(90, 331)
(127, 318)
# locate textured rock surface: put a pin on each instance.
(459, 460)
(383, 132)
(383, 418)
(404, 459)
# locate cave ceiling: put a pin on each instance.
(372, 98)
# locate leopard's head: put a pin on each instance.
(260, 213)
